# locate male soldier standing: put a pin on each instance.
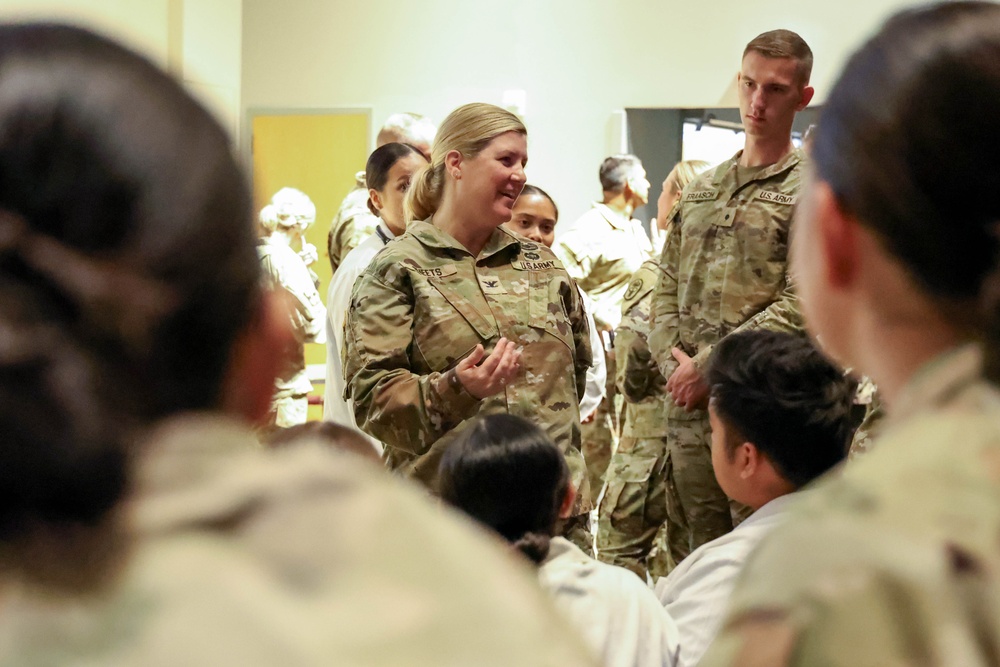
(354, 222)
(724, 269)
(601, 251)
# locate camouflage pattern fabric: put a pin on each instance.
(723, 269)
(599, 436)
(352, 224)
(868, 430)
(301, 556)
(893, 561)
(601, 251)
(634, 507)
(423, 304)
(284, 270)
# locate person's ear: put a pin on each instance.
(839, 237)
(256, 358)
(566, 508)
(375, 199)
(453, 164)
(749, 459)
(806, 98)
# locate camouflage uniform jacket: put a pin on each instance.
(353, 223)
(601, 251)
(638, 378)
(725, 263)
(423, 304)
(894, 561)
(285, 270)
(239, 556)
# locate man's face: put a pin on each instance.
(640, 186)
(770, 95)
(723, 464)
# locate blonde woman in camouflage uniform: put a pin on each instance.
(894, 562)
(459, 317)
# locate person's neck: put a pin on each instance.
(280, 237)
(906, 346)
(765, 151)
(619, 204)
(462, 228)
(396, 228)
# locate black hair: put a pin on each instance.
(504, 472)
(908, 144)
(127, 267)
(529, 189)
(379, 164)
(777, 391)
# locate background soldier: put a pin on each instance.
(724, 268)
(354, 222)
(601, 251)
(633, 512)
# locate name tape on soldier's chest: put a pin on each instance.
(491, 285)
(775, 197)
(702, 195)
(439, 271)
(523, 265)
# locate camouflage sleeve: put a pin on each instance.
(391, 403)
(575, 259)
(782, 315)
(637, 375)
(664, 317)
(306, 309)
(581, 335)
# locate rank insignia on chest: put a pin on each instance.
(491, 285)
(775, 197)
(701, 195)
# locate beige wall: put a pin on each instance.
(200, 41)
(578, 60)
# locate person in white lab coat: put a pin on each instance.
(505, 473)
(780, 415)
(387, 174)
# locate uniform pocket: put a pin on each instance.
(547, 310)
(628, 479)
(448, 324)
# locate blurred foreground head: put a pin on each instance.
(127, 267)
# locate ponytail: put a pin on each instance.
(424, 197)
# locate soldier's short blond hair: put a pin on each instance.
(288, 208)
(684, 172)
(468, 130)
(784, 44)
(406, 128)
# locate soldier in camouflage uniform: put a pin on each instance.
(724, 269)
(634, 507)
(354, 222)
(428, 301)
(601, 251)
(894, 561)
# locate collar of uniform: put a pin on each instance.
(727, 178)
(615, 219)
(938, 380)
(433, 237)
(385, 233)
